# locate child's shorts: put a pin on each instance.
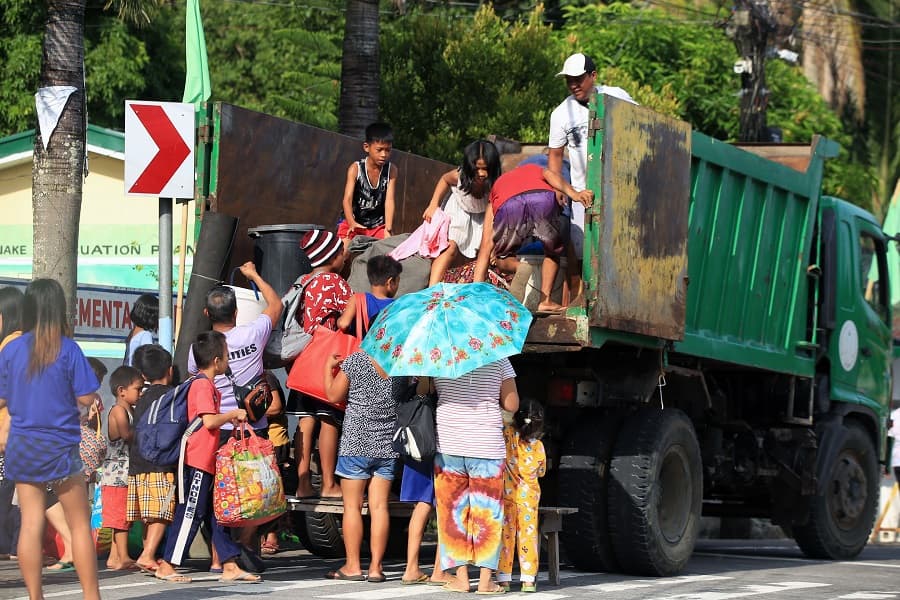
(361, 467)
(151, 497)
(114, 506)
(344, 232)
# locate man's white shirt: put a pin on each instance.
(569, 128)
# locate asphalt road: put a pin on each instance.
(719, 570)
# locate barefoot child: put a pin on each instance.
(211, 357)
(523, 203)
(325, 296)
(469, 186)
(151, 488)
(526, 462)
(125, 383)
(369, 192)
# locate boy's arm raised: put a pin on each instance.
(389, 202)
(349, 187)
(448, 179)
(273, 300)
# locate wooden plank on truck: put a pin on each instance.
(639, 165)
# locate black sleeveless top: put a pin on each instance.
(368, 200)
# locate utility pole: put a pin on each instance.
(751, 26)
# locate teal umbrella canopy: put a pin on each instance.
(447, 330)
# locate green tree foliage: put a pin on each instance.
(276, 58)
(117, 63)
(694, 61)
(449, 78)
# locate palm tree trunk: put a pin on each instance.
(58, 170)
(360, 74)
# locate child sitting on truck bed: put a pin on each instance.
(369, 192)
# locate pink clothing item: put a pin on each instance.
(428, 240)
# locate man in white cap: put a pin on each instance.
(569, 129)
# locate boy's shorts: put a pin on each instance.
(151, 497)
(114, 512)
(362, 467)
(344, 232)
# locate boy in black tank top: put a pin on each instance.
(369, 192)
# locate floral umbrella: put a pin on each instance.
(447, 330)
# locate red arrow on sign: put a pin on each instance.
(172, 149)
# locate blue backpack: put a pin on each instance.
(163, 429)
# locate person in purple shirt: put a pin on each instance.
(44, 380)
(246, 344)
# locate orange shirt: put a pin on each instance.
(203, 399)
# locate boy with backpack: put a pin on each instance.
(151, 487)
(210, 351)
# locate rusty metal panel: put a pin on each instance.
(636, 235)
(266, 170)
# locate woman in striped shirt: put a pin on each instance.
(469, 467)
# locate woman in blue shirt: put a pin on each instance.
(44, 379)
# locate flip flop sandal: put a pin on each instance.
(60, 567)
(241, 578)
(338, 574)
(494, 592)
(376, 578)
(449, 588)
(421, 579)
(173, 578)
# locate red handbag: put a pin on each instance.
(307, 373)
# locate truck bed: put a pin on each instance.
(696, 242)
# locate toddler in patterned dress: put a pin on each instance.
(526, 462)
(125, 383)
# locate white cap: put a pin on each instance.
(577, 65)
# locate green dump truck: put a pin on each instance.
(727, 360)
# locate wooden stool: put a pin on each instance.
(551, 525)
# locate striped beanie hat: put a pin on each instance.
(320, 246)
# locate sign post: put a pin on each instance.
(159, 160)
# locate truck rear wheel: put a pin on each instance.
(320, 533)
(841, 519)
(583, 476)
(655, 492)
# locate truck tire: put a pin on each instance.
(840, 520)
(583, 476)
(320, 533)
(655, 492)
